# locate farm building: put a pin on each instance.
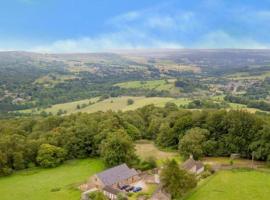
(193, 166)
(115, 177)
(110, 180)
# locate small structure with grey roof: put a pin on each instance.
(193, 166)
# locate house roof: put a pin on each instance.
(190, 163)
(116, 174)
(160, 194)
(111, 190)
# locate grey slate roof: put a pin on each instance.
(116, 174)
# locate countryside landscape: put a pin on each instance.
(138, 100)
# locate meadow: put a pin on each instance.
(234, 185)
(114, 104)
(158, 85)
(146, 149)
(49, 184)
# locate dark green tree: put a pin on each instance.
(50, 155)
(118, 148)
(176, 181)
(193, 143)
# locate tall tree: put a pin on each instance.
(193, 143)
(176, 181)
(118, 148)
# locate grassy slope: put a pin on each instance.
(246, 75)
(115, 104)
(36, 184)
(234, 185)
(159, 85)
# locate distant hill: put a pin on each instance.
(30, 80)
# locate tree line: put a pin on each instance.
(49, 141)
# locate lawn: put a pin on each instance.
(38, 184)
(234, 185)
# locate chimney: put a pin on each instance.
(190, 156)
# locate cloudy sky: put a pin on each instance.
(100, 25)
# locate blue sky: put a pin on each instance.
(100, 25)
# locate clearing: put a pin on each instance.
(234, 185)
(146, 148)
(49, 184)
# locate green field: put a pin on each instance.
(115, 104)
(247, 76)
(158, 85)
(234, 185)
(37, 184)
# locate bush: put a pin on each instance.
(130, 102)
(148, 163)
(206, 174)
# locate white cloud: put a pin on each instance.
(120, 40)
(221, 39)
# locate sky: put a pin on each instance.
(67, 26)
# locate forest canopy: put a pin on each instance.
(48, 141)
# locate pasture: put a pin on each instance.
(114, 104)
(49, 184)
(233, 185)
(158, 85)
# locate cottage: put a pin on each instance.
(115, 177)
(193, 166)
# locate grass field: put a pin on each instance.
(234, 185)
(158, 85)
(246, 75)
(145, 149)
(115, 104)
(37, 184)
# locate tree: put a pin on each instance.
(169, 106)
(18, 161)
(4, 168)
(176, 181)
(261, 146)
(118, 148)
(50, 155)
(130, 102)
(166, 136)
(193, 142)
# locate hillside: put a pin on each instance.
(32, 80)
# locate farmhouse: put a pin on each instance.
(110, 180)
(116, 176)
(193, 166)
